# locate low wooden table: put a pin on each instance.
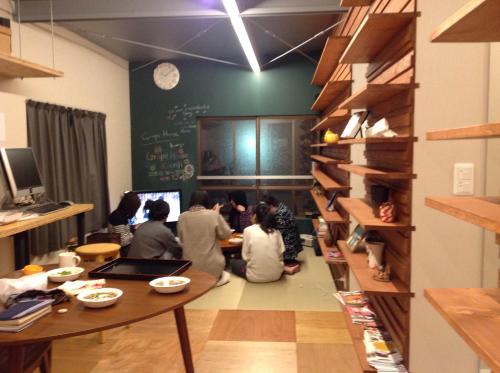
(229, 247)
(138, 302)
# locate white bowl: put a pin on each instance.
(57, 275)
(164, 284)
(86, 297)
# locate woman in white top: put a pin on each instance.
(262, 250)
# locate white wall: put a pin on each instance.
(93, 80)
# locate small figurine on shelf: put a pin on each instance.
(387, 212)
(330, 137)
(383, 275)
(375, 248)
(318, 189)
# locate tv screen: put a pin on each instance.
(22, 172)
(172, 197)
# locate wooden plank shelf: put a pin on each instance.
(329, 216)
(351, 3)
(331, 90)
(328, 183)
(378, 173)
(357, 335)
(334, 47)
(373, 94)
(326, 249)
(377, 140)
(327, 160)
(364, 275)
(476, 21)
(324, 145)
(480, 211)
(479, 131)
(336, 118)
(363, 213)
(474, 315)
(373, 35)
(14, 67)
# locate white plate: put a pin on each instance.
(54, 274)
(162, 284)
(235, 240)
(99, 303)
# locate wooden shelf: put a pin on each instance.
(327, 160)
(481, 211)
(474, 314)
(334, 47)
(476, 21)
(330, 91)
(479, 131)
(326, 249)
(352, 3)
(377, 140)
(14, 67)
(374, 94)
(373, 35)
(363, 213)
(328, 216)
(324, 145)
(328, 183)
(338, 117)
(357, 335)
(368, 172)
(364, 275)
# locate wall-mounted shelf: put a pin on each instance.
(327, 160)
(474, 314)
(328, 183)
(14, 67)
(324, 145)
(373, 94)
(363, 213)
(480, 131)
(331, 120)
(368, 172)
(352, 3)
(481, 211)
(364, 275)
(377, 140)
(329, 216)
(476, 21)
(373, 35)
(334, 47)
(331, 90)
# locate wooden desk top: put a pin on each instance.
(138, 302)
(226, 245)
(25, 225)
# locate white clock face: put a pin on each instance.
(166, 76)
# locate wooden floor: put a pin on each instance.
(243, 341)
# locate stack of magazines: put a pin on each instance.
(23, 314)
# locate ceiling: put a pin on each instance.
(146, 30)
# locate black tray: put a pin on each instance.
(140, 269)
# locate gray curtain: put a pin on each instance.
(70, 147)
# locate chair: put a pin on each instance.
(34, 356)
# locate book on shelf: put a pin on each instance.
(381, 352)
(352, 298)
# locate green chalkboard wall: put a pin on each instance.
(164, 143)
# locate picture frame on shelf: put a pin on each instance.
(355, 238)
(353, 127)
(330, 205)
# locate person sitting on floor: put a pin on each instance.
(262, 250)
(200, 229)
(118, 220)
(153, 239)
(285, 223)
(240, 215)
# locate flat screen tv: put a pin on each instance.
(21, 171)
(172, 197)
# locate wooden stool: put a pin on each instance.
(99, 252)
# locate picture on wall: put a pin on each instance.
(354, 125)
(355, 238)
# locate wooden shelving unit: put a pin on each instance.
(479, 131)
(328, 183)
(476, 21)
(474, 314)
(330, 91)
(334, 119)
(363, 213)
(373, 94)
(329, 216)
(351, 3)
(364, 275)
(326, 249)
(373, 35)
(324, 145)
(377, 140)
(327, 160)
(14, 67)
(329, 59)
(368, 172)
(480, 211)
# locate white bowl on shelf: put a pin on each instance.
(170, 284)
(99, 298)
(65, 274)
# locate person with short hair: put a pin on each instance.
(241, 213)
(153, 239)
(118, 220)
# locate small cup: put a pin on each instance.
(375, 251)
(69, 259)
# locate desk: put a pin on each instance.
(139, 302)
(19, 229)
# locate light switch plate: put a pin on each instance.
(463, 179)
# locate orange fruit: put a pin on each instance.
(31, 269)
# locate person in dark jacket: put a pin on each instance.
(118, 220)
(240, 215)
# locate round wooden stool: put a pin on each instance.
(98, 252)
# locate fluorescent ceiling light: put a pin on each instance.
(234, 14)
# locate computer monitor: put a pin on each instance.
(172, 197)
(21, 171)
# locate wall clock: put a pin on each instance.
(166, 76)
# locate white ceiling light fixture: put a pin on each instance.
(234, 14)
